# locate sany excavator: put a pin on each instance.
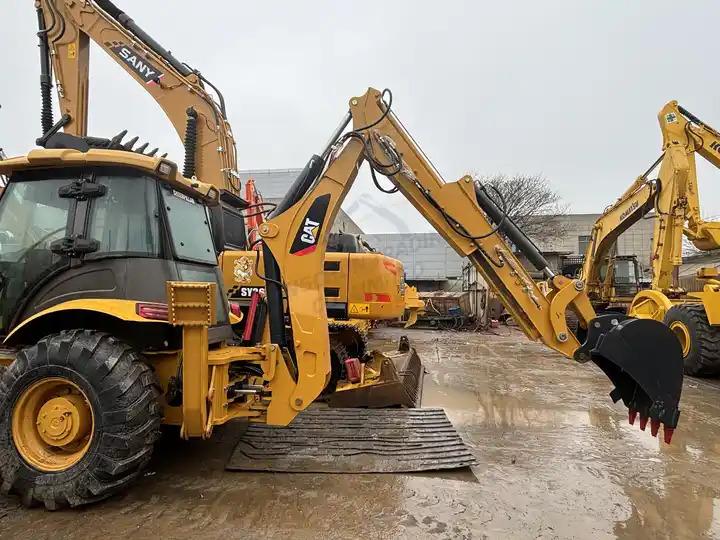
(113, 323)
(364, 286)
(694, 317)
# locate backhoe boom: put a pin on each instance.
(641, 357)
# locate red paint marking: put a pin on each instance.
(377, 297)
(305, 251)
(391, 266)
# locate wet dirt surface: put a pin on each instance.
(556, 460)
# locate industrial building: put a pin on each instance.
(273, 184)
(431, 264)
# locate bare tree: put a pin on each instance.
(531, 203)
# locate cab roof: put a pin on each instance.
(156, 166)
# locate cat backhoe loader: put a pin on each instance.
(362, 287)
(694, 317)
(114, 324)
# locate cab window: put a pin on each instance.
(126, 219)
(189, 227)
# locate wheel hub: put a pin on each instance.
(683, 335)
(63, 420)
(52, 424)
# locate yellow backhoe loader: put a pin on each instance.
(694, 317)
(362, 286)
(114, 324)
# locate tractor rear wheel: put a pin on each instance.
(79, 415)
(699, 340)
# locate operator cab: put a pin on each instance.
(101, 232)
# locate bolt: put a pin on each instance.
(467, 180)
(562, 337)
(298, 402)
(354, 101)
(614, 322)
(596, 325)
(579, 285)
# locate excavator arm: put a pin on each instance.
(200, 121)
(641, 357)
(632, 206)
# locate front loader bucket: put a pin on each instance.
(396, 382)
(643, 359)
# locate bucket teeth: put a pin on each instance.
(643, 422)
(654, 426)
(667, 434)
(632, 414)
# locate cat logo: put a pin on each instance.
(310, 231)
(308, 234)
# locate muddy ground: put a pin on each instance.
(555, 460)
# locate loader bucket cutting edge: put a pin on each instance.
(643, 360)
(399, 385)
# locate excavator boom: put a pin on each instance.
(200, 120)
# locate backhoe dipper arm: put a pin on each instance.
(641, 357)
(65, 30)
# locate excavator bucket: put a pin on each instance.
(643, 360)
(389, 380)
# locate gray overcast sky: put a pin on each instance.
(569, 89)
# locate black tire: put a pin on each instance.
(123, 395)
(703, 357)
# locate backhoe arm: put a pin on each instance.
(684, 135)
(641, 357)
(65, 30)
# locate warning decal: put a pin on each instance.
(359, 309)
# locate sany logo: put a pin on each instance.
(310, 230)
(144, 69)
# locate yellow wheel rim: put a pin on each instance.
(682, 334)
(52, 424)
